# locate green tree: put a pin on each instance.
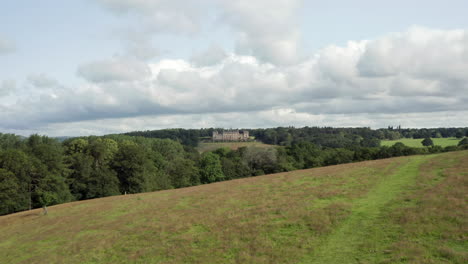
(17, 162)
(211, 168)
(81, 171)
(49, 152)
(135, 170)
(78, 145)
(463, 142)
(306, 155)
(260, 160)
(103, 182)
(427, 142)
(229, 168)
(10, 191)
(52, 189)
(337, 156)
(183, 173)
(10, 141)
(168, 148)
(102, 150)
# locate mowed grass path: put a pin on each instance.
(399, 210)
(412, 142)
(343, 244)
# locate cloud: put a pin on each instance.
(42, 81)
(7, 87)
(420, 52)
(6, 45)
(211, 56)
(162, 16)
(116, 69)
(262, 119)
(336, 82)
(141, 49)
(267, 30)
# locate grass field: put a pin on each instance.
(400, 210)
(210, 146)
(411, 142)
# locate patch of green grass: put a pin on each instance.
(357, 237)
(399, 210)
(211, 146)
(416, 143)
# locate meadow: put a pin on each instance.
(211, 146)
(399, 210)
(412, 142)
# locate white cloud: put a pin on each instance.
(330, 86)
(266, 29)
(419, 52)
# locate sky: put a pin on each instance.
(93, 67)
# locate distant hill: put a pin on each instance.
(61, 139)
(400, 210)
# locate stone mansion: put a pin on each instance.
(231, 135)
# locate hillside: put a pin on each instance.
(211, 146)
(416, 142)
(399, 210)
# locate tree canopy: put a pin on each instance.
(427, 142)
(40, 171)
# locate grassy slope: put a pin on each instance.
(343, 243)
(401, 210)
(411, 142)
(204, 147)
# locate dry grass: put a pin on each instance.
(279, 218)
(434, 222)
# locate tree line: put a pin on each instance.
(322, 136)
(40, 171)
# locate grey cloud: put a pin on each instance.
(119, 69)
(81, 105)
(262, 119)
(329, 83)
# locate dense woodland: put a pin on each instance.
(321, 136)
(39, 171)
